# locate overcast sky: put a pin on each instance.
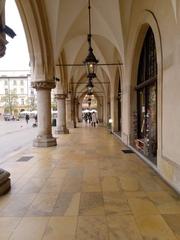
(17, 56)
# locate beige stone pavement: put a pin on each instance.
(86, 188)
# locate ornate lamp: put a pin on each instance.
(90, 86)
(90, 61)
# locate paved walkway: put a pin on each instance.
(7, 127)
(86, 188)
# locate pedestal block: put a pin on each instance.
(5, 182)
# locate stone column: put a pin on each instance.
(44, 137)
(74, 112)
(69, 112)
(61, 115)
(80, 112)
(77, 110)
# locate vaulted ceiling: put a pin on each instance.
(68, 23)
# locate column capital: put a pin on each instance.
(60, 96)
(43, 85)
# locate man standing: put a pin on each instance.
(27, 118)
(94, 120)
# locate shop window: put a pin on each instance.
(146, 117)
(119, 106)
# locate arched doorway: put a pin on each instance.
(145, 126)
(89, 105)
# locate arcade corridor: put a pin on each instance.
(86, 188)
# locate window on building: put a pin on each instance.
(146, 89)
(22, 101)
(21, 82)
(15, 90)
(6, 82)
(6, 91)
(22, 90)
(14, 82)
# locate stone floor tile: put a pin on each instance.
(130, 183)
(90, 171)
(91, 184)
(135, 194)
(161, 197)
(42, 205)
(142, 206)
(108, 172)
(173, 221)
(58, 173)
(72, 184)
(18, 205)
(7, 226)
(52, 185)
(30, 228)
(61, 228)
(116, 203)
(154, 227)
(110, 184)
(149, 185)
(123, 227)
(4, 200)
(169, 208)
(164, 186)
(91, 204)
(75, 172)
(92, 228)
(67, 204)
(34, 185)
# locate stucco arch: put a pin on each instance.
(147, 20)
(38, 38)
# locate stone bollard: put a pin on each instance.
(5, 182)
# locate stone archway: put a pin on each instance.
(34, 18)
(143, 29)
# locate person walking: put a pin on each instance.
(94, 119)
(27, 118)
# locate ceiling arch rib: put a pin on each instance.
(76, 50)
(67, 13)
(80, 27)
(83, 82)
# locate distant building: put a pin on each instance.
(16, 93)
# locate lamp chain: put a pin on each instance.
(89, 35)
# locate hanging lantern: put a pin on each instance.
(90, 86)
(90, 61)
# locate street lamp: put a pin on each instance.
(90, 61)
(90, 86)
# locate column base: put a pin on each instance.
(62, 131)
(70, 124)
(44, 142)
(5, 182)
